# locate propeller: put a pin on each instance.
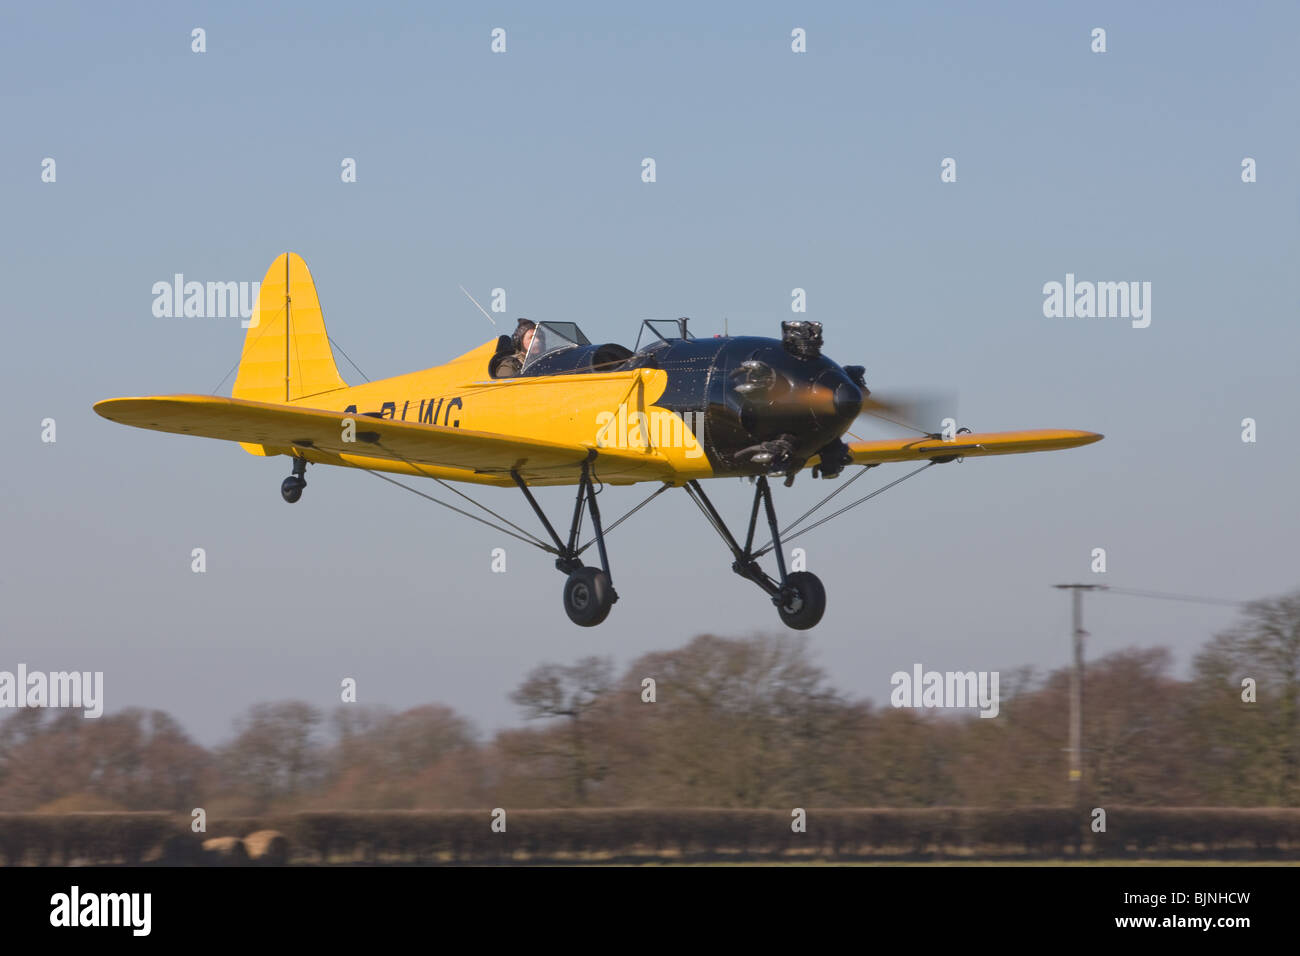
(919, 410)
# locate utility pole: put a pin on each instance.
(1076, 683)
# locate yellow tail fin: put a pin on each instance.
(279, 368)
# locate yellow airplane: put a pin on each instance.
(548, 407)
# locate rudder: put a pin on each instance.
(271, 370)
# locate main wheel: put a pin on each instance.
(803, 600)
(588, 596)
(291, 488)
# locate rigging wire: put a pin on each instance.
(909, 427)
(348, 357)
(462, 494)
(816, 524)
(473, 517)
(1166, 596)
(523, 535)
(263, 330)
(654, 494)
(264, 327)
(797, 521)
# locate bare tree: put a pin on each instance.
(572, 693)
(1253, 745)
(276, 754)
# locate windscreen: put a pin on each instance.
(662, 330)
(550, 337)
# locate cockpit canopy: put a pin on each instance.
(654, 331)
(550, 337)
(560, 348)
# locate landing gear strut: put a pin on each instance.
(588, 592)
(799, 597)
(291, 488)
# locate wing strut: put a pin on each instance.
(588, 593)
(568, 561)
(799, 596)
(775, 542)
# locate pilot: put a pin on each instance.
(512, 363)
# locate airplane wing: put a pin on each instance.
(968, 445)
(434, 450)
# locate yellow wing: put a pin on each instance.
(969, 446)
(436, 451)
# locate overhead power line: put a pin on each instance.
(1166, 596)
(1075, 747)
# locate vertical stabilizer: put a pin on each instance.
(286, 329)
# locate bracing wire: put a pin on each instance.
(816, 524)
(654, 494)
(349, 358)
(462, 494)
(261, 332)
(415, 491)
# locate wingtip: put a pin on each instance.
(1077, 437)
(110, 408)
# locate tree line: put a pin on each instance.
(749, 722)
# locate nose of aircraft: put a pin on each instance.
(807, 403)
(848, 400)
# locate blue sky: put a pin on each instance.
(521, 170)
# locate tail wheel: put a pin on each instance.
(291, 488)
(803, 600)
(588, 596)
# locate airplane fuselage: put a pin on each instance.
(712, 407)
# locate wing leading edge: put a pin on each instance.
(380, 443)
(969, 445)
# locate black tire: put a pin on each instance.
(588, 597)
(291, 488)
(804, 600)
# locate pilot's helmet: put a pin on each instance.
(523, 326)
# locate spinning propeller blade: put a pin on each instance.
(919, 410)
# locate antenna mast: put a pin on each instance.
(477, 306)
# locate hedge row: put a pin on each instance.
(64, 838)
(467, 836)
